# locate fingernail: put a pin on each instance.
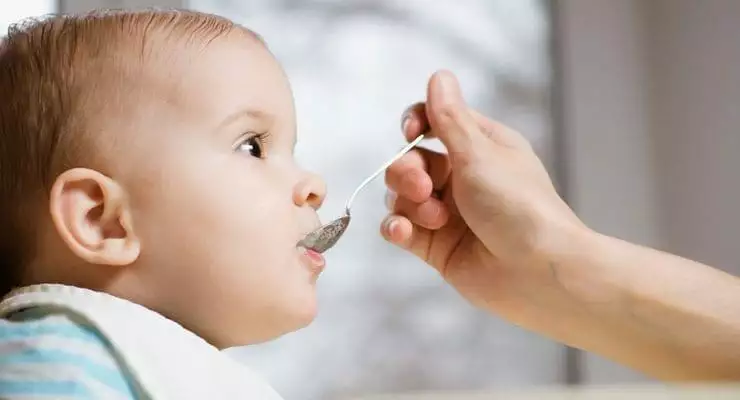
(450, 85)
(405, 120)
(390, 200)
(391, 224)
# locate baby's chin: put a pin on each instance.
(287, 320)
(299, 317)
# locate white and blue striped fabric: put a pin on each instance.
(49, 354)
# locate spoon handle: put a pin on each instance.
(380, 170)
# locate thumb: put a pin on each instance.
(448, 114)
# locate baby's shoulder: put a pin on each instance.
(52, 353)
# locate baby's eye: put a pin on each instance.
(253, 145)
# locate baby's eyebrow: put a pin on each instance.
(246, 113)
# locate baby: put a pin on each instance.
(150, 207)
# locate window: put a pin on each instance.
(387, 323)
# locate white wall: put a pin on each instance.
(651, 106)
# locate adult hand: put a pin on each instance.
(486, 214)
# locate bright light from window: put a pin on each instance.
(14, 11)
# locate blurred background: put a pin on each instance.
(633, 105)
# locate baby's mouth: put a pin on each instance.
(314, 260)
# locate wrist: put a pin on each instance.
(568, 245)
(583, 268)
(585, 291)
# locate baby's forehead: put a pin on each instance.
(230, 73)
(175, 72)
(198, 85)
(212, 94)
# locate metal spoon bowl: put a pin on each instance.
(326, 236)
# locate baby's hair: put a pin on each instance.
(56, 74)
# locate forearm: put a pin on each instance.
(669, 317)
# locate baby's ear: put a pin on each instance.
(92, 215)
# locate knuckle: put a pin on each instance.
(389, 177)
(394, 176)
(450, 113)
(437, 215)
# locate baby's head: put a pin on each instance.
(150, 155)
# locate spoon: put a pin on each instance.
(326, 236)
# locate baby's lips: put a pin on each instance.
(315, 260)
(315, 256)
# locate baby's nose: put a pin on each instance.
(311, 190)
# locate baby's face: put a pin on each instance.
(218, 202)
